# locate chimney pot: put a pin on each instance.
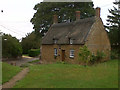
(77, 15)
(55, 19)
(98, 12)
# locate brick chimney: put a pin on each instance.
(77, 15)
(98, 12)
(55, 19)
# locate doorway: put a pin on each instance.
(63, 55)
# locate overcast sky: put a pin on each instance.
(15, 19)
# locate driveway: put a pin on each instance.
(23, 60)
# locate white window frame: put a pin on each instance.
(72, 53)
(71, 41)
(55, 51)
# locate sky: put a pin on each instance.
(16, 16)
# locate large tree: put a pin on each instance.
(10, 46)
(113, 25)
(31, 41)
(43, 18)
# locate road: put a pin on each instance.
(23, 60)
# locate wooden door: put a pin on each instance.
(63, 55)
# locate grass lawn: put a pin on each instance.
(25, 55)
(8, 71)
(104, 75)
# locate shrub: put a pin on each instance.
(10, 47)
(34, 52)
(100, 55)
(84, 54)
(93, 59)
(61, 62)
(114, 54)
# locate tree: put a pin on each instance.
(113, 26)
(31, 41)
(43, 18)
(10, 46)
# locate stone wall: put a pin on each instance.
(48, 53)
(98, 40)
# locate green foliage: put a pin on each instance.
(113, 26)
(10, 46)
(84, 54)
(34, 52)
(100, 55)
(55, 57)
(61, 62)
(35, 61)
(43, 18)
(103, 75)
(8, 71)
(114, 54)
(31, 41)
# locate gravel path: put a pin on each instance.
(23, 60)
(16, 78)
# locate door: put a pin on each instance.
(63, 55)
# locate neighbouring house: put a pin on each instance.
(63, 40)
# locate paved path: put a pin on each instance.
(23, 60)
(16, 78)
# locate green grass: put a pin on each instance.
(104, 75)
(35, 61)
(25, 55)
(8, 71)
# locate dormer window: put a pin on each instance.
(55, 41)
(71, 41)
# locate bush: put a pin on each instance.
(114, 54)
(10, 47)
(100, 55)
(84, 54)
(34, 52)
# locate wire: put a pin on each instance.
(11, 30)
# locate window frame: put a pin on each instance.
(72, 55)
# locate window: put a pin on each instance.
(71, 41)
(72, 53)
(55, 51)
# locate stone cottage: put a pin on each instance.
(63, 40)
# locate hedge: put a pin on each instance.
(34, 52)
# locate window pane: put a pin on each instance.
(55, 52)
(55, 41)
(71, 41)
(71, 53)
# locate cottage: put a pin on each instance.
(63, 40)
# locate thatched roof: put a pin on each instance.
(77, 30)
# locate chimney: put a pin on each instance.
(55, 19)
(77, 15)
(98, 12)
